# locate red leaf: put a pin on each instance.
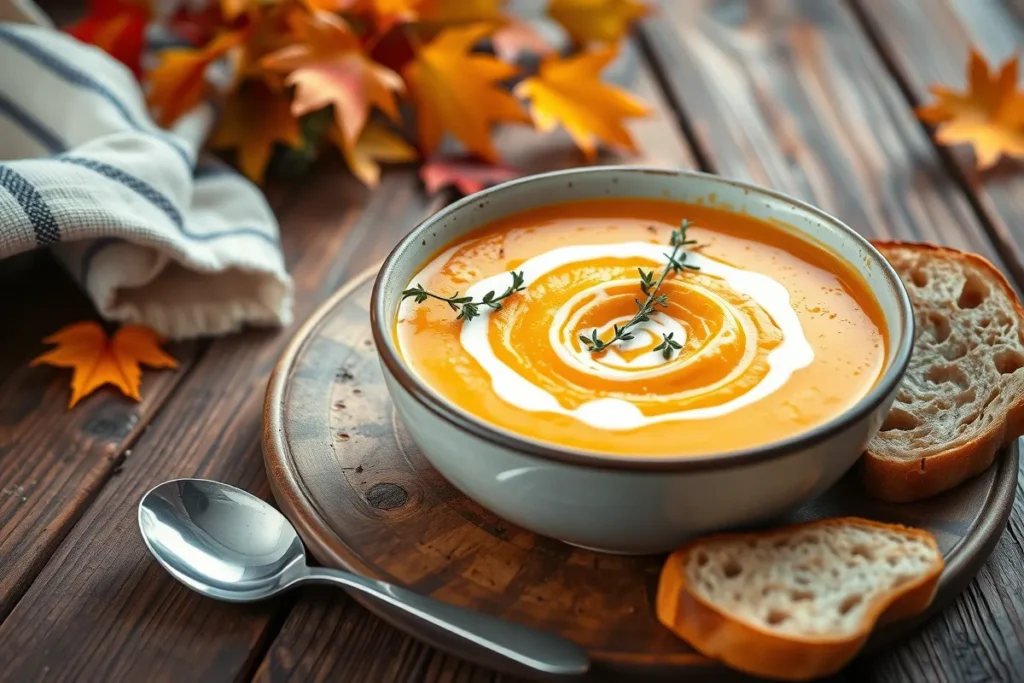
(467, 174)
(116, 26)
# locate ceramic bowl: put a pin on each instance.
(627, 504)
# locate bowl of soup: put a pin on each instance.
(650, 354)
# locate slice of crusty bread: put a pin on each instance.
(962, 398)
(797, 602)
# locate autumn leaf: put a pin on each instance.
(465, 174)
(376, 144)
(460, 92)
(989, 115)
(98, 360)
(178, 82)
(328, 67)
(462, 11)
(384, 14)
(256, 118)
(568, 91)
(604, 21)
(118, 28)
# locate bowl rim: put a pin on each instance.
(466, 422)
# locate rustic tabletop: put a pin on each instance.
(811, 97)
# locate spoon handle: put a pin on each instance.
(538, 650)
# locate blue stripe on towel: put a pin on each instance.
(161, 201)
(38, 130)
(137, 185)
(80, 78)
(32, 203)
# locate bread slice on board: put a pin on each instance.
(962, 398)
(797, 602)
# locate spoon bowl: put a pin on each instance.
(228, 544)
(221, 541)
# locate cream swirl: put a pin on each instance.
(623, 363)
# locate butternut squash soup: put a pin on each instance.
(609, 328)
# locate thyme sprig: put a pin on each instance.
(676, 263)
(465, 306)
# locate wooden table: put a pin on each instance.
(812, 97)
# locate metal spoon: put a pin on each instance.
(228, 544)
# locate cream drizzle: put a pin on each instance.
(792, 354)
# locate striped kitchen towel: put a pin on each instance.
(154, 232)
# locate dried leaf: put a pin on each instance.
(989, 115)
(460, 92)
(384, 14)
(328, 67)
(98, 360)
(605, 21)
(466, 174)
(118, 28)
(462, 11)
(178, 82)
(568, 91)
(256, 118)
(376, 144)
(232, 9)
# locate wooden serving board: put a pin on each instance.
(363, 497)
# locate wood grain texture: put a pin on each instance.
(101, 595)
(327, 639)
(53, 461)
(791, 94)
(927, 42)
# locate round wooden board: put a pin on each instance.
(364, 498)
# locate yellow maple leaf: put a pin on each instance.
(460, 92)
(569, 91)
(178, 81)
(383, 13)
(462, 11)
(232, 9)
(989, 115)
(99, 360)
(604, 21)
(255, 118)
(328, 67)
(376, 144)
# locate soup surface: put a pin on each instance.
(773, 334)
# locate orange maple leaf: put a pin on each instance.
(989, 115)
(256, 118)
(178, 82)
(462, 11)
(376, 144)
(569, 91)
(383, 14)
(99, 360)
(604, 21)
(460, 92)
(328, 67)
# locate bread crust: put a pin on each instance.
(759, 652)
(905, 480)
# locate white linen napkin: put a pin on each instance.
(154, 232)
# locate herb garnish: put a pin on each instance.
(467, 308)
(676, 263)
(464, 305)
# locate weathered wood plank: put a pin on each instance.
(101, 595)
(52, 460)
(927, 42)
(332, 639)
(792, 95)
(361, 647)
